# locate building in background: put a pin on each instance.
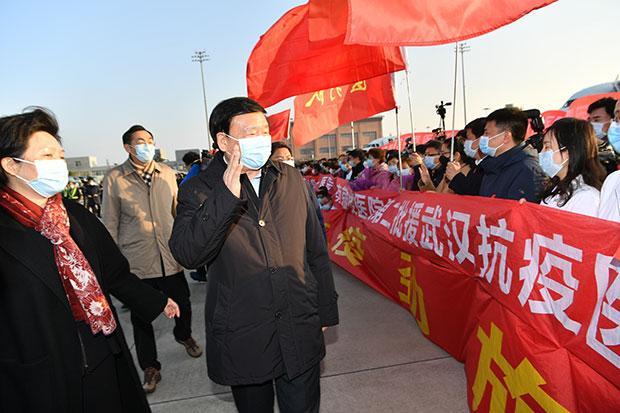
(86, 166)
(339, 141)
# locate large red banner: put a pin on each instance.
(528, 297)
(285, 63)
(320, 112)
(413, 23)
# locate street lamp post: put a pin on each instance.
(201, 56)
(464, 48)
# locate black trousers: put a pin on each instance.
(174, 286)
(302, 394)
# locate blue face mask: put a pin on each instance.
(255, 150)
(145, 152)
(469, 151)
(598, 128)
(368, 163)
(52, 176)
(548, 165)
(484, 145)
(393, 169)
(343, 166)
(429, 162)
(613, 135)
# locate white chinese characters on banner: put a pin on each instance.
(558, 255)
(501, 235)
(461, 237)
(431, 222)
(607, 273)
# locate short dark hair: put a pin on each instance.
(190, 157)
(435, 144)
(577, 137)
(512, 120)
(476, 126)
(16, 130)
(131, 131)
(279, 145)
(222, 114)
(377, 153)
(391, 154)
(459, 147)
(358, 153)
(608, 103)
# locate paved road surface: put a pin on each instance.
(377, 361)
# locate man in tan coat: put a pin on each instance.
(139, 203)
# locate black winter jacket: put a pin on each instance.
(270, 286)
(514, 174)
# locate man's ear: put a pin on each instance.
(127, 148)
(221, 140)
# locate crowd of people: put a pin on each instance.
(86, 191)
(247, 215)
(270, 293)
(572, 165)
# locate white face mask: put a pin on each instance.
(255, 150)
(290, 162)
(52, 176)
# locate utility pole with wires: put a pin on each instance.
(201, 56)
(464, 48)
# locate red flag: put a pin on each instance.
(278, 125)
(579, 107)
(413, 23)
(320, 112)
(285, 63)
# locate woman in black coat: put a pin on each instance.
(62, 348)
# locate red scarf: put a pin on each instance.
(77, 276)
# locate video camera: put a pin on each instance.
(538, 126)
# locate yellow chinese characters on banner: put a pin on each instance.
(414, 296)
(335, 93)
(519, 381)
(350, 244)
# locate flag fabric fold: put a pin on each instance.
(319, 112)
(285, 63)
(278, 125)
(413, 23)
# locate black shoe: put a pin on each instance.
(198, 276)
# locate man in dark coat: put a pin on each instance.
(271, 289)
(511, 169)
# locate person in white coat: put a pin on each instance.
(610, 193)
(569, 158)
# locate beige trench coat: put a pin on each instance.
(140, 218)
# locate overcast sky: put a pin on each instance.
(103, 66)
